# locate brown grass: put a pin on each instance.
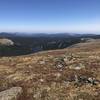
(41, 79)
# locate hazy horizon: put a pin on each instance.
(50, 16)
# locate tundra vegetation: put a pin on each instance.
(67, 74)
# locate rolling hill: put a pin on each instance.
(72, 73)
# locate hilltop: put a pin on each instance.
(72, 73)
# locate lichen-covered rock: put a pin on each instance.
(11, 94)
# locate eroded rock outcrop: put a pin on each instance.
(6, 42)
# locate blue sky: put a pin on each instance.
(50, 16)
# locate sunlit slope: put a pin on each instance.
(67, 74)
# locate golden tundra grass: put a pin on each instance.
(41, 79)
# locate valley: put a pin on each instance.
(23, 45)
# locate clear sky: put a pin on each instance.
(50, 16)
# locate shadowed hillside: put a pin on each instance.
(15, 45)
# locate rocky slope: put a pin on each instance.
(68, 74)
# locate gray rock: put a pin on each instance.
(77, 66)
(59, 63)
(42, 62)
(93, 81)
(13, 93)
(6, 42)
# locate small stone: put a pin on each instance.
(93, 81)
(30, 66)
(59, 66)
(65, 59)
(58, 75)
(42, 62)
(41, 80)
(77, 68)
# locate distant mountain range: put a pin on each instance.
(30, 43)
(17, 34)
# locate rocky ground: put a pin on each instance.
(68, 74)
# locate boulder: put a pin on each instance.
(6, 42)
(13, 93)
